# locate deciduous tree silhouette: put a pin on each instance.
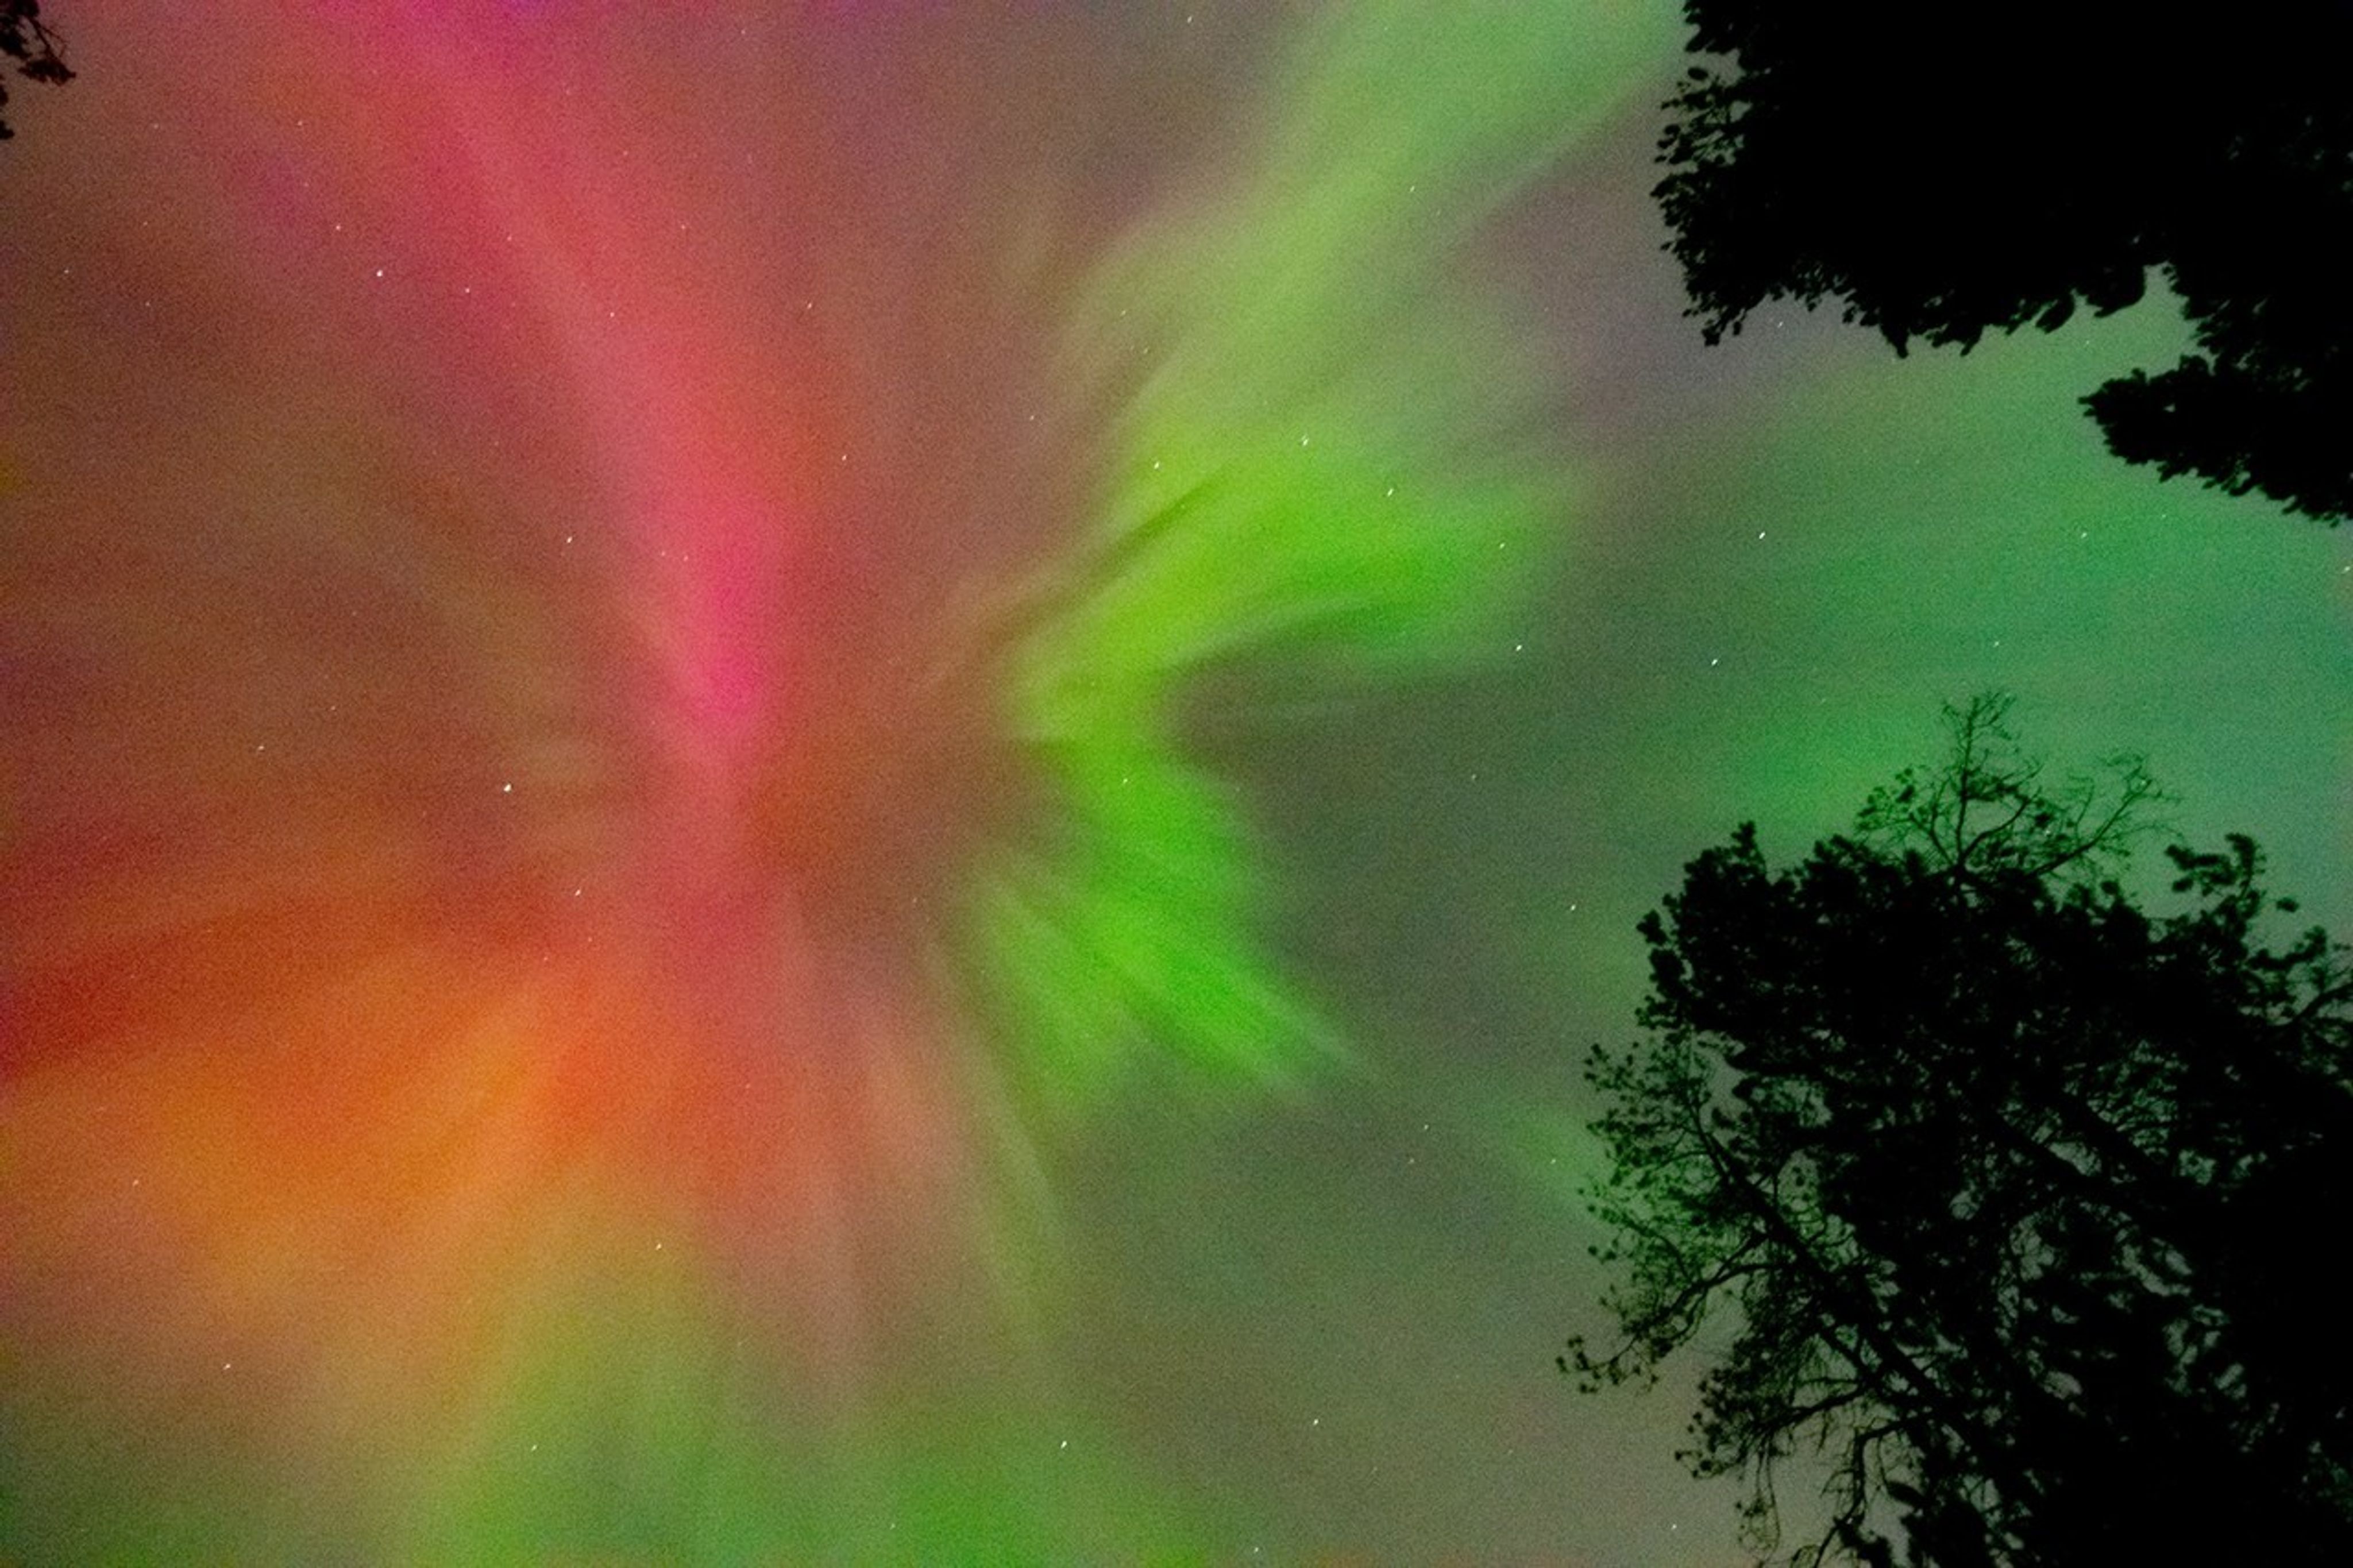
(33, 47)
(2023, 1207)
(1944, 171)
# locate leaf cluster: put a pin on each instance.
(2020, 1199)
(33, 47)
(1944, 172)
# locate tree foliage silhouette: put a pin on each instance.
(33, 47)
(2023, 1207)
(1945, 171)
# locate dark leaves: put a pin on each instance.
(1945, 172)
(24, 39)
(1999, 1180)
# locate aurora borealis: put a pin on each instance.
(851, 782)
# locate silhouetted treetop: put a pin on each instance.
(33, 47)
(2018, 1206)
(1946, 171)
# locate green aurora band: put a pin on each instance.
(1323, 470)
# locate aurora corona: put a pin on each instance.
(639, 773)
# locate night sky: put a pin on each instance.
(854, 781)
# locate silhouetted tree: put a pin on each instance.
(1945, 170)
(2022, 1210)
(32, 46)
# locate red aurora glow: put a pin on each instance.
(501, 787)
